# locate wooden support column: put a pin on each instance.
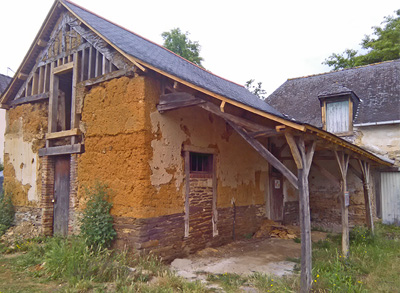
(303, 159)
(343, 162)
(365, 172)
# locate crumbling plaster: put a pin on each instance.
(381, 139)
(26, 126)
(138, 151)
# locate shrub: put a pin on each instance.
(6, 213)
(97, 223)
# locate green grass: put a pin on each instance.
(68, 265)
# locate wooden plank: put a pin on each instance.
(30, 99)
(177, 105)
(75, 76)
(65, 133)
(22, 76)
(187, 191)
(35, 84)
(109, 76)
(91, 65)
(63, 68)
(294, 150)
(61, 150)
(41, 80)
(53, 101)
(365, 171)
(214, 198)
(265, 154)
(222, 106)
(177, 97)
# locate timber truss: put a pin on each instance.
(302, 147)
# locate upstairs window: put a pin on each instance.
(338, 116)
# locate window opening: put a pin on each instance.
(64, 101)
(200, 163)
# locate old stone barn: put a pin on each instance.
(192, 159)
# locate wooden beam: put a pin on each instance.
(61, 150)
(343, 162)
(63, 68)
(108, 76)
(53, 101)
(265, 154)
(222, 106)
(30, 99)
(365, 171)
(177, 100)
(41, 43)
(65, 133)
(294, 150)
(22, 76)
(306, 156)
(252, 126)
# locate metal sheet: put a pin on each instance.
(390, 192)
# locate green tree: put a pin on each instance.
(256, 88)
(383, 45)
(179, 43)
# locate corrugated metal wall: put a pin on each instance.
(390, 193)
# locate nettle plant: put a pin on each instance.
(97, 222)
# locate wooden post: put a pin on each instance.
(365, 171)
(343, 162)
(303, 159)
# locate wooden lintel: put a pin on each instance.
(41, 43)
(252, 126)
(65, 133)
(177, 105)
(177, 100)
(62, 150)
(30, 99)
(22, 76)
(108, 76)
(265, 154)
(63, 68)
(294, 150)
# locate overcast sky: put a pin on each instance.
(269, 41)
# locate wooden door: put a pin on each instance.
(276, 200)
(61, 195)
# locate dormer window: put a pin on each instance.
(338, 106)
(338, 116)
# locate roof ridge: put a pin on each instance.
(120, 26)
(344, 69)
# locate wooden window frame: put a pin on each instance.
(324, 117)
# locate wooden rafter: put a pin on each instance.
(177, 100)
(259, 147)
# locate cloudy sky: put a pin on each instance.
(269, 41)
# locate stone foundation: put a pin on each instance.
(164, 236)
(28, 214)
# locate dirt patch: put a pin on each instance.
(272, 256)
(19, 233)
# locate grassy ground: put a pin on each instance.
(48, 265)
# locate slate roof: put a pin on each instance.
(169, 62)
(376, 85)
(4, 81)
